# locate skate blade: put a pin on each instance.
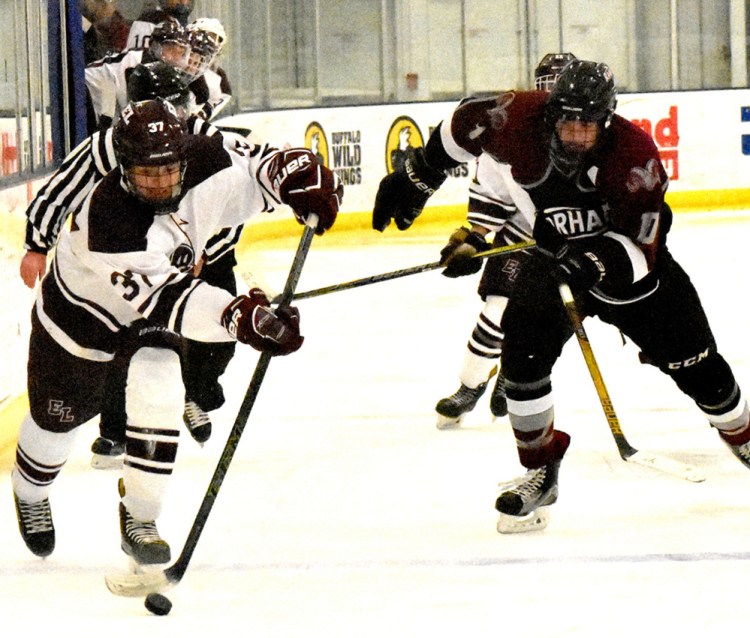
(448, 422)
(533, 522)
(101, 462)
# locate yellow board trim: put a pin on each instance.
(12, 412)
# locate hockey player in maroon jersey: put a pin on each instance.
(128, 260)
(492, 210)
(597, 185)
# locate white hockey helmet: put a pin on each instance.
(213, 29)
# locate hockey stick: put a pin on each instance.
(404, 272)
(142, 583)
(627, 451)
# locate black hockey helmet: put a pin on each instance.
(149, 142)
(584, 90)
(158, 79)
(549, 68)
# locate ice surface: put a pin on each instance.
(347, 513)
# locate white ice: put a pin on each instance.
(347, 513)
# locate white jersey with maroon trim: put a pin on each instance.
(119, 262)
(139, 36)
(497, 203)
(107, 84)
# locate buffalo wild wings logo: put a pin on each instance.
(317, 142)
(403, 135)
(648, 178)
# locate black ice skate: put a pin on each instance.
(141, 541)
(197, 421)
(107, 454)
(498, 401)
(523, 502)
(35, 524)
(452, 409)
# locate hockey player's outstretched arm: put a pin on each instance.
(294, 177)
(403, 194)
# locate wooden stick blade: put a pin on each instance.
(667, 466)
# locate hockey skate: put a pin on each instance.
(35, 524)
(197, 422)
(107, 454)
(452, 409)
(742, 452)
(140, 540)
(523, 503)
(498, 400)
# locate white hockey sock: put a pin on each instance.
(40, 455)
(732, 423)
(154, 399)
(485, 344)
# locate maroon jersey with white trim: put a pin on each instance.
(613, 205)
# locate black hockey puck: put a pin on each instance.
(158, 604)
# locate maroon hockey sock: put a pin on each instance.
(532, 458)
(740, 436)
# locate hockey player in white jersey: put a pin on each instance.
(128, 258)
(64, 193)
(496, 205)
(212, 89)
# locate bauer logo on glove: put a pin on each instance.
(251, 320)
(306, 186)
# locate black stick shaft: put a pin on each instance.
(175, 572)
(404, 272)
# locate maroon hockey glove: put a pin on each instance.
(251, 320)
(458, 254)
(402, 195)
(307, 186)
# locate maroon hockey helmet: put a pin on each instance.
(169, 43)
(149, 141)
(549, 68)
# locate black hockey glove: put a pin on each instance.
(548, 241)
(402, 195)
(579, 269)
(458, 254)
